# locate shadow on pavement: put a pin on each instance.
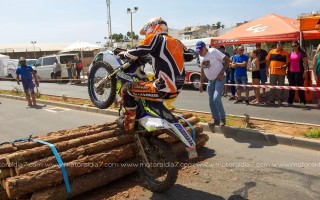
(255, 138)
(242, 193)
(38, 106)
(183, 192)
(204, 153)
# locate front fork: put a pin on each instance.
(141, 149)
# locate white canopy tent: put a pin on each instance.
(81, 47)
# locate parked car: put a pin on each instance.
(12, 66)
(44, 65)
(193, 75)
(31, 62)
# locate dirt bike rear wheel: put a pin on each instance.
(106, 95)
(161, 172)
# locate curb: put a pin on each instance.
(239, 134)
(270, 139)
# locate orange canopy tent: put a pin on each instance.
(269, 28)
(310, 23)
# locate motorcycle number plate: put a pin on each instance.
(192, 153)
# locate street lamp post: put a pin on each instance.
(34, 50)
(135, 9)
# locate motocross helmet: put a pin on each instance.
(155, 25)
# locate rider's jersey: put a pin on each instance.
(167, 60)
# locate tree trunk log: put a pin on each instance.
(184, 115)
(3, 162)
(191, 120)
(3, 184)
(89, 182)
(37, 180)
(85, 183)
(75, 153)
(180, 147)
(3, 195)
(4, 173)
(29, 155)
(58, 136)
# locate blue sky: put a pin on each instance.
(49, 21)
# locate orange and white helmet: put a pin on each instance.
(155, 25)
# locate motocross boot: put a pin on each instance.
(126, 121)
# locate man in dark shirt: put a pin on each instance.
(26, 73)
(262, 54)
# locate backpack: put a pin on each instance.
(80, 65)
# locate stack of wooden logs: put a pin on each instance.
(93, 156)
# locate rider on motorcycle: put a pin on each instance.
(168, 55)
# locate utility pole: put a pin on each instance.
(34, 50)
(109, 39)
(130, 11)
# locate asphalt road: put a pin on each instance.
(233, 169)
(193, 100)
(18, 120)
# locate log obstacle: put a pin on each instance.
(93, 156)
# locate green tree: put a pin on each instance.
(218, 25)
(117, 37)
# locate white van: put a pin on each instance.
(12, 65)
(44, 65)
(3, 69)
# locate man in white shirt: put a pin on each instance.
(211, 66)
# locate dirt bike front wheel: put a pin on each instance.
(103, 96)
(157, 164)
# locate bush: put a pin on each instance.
(313, 134)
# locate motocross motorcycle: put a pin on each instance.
(157, 161)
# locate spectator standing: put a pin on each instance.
(232, 81)
(69, 69)
(211, 66)
(79, 69)
(256, 76)
(75, 71)
(57, 70)
(262, 54)
(277, 62)
(222, 49)
(298, 63)
(239, 62)
(26, 72)
(316, 71)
